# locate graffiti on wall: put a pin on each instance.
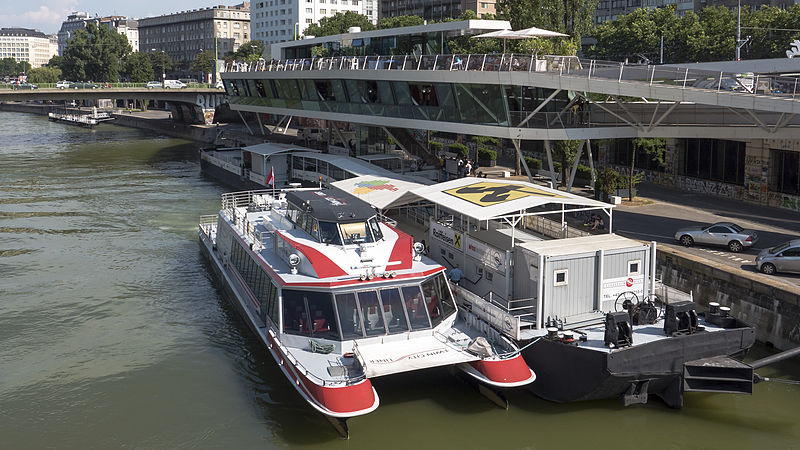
(708, 187)
(784, 201)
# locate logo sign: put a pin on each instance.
(629, 282)
(491, 257)
(487, 193)
(365, 187)
(446, 235)
(613, 287)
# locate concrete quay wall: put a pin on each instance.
(772, 306)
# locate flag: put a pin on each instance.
(271, 177)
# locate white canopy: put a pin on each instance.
(533, 32)
(485, 199)
(378, 191)
(271, 148)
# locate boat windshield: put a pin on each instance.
(354, 315)
(329, 234)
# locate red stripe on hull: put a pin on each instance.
(401, 251)
(342, 400)
(512, 370)
(323, 266)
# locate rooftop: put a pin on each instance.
(331, 205)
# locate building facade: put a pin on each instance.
(78, 21)
(436, 10)
(184, 34)
(276, 21)
(612, 9)
(23, 44)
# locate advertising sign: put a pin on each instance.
(613, 287)
(491, 257)
(447, 235)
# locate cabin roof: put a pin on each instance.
(332, 205)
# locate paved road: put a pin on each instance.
(672, 209)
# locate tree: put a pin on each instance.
(654, 148)
(203, 62)
(44, 75)
(400, 21)
(160, 62)
(573, 17)
(138, 68)
(94, 54)
(249, 51)
(719, 25)
(607, 181)
(8, 67)
(55, 61)
(338, 24)
(566, 152)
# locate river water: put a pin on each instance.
(113, 334)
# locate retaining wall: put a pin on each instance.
(771, 305)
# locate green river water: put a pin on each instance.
(113, 334)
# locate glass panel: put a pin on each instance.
(355, 233)
(448, 305)
(295, 315)
(371, 312)
(323, 319)
(393, 311)
(329, 233)
(401, 93)
(432, 301)
(415, 307)
(349, 317)
(376, 229)
(385, 93)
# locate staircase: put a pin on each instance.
(405, 140)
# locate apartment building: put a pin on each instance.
(277, 21)
(437, 10)
(78, 20)
(23, 44)
(184, 34)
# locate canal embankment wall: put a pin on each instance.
(772, 306)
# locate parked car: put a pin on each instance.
(174, 84)
(30, 86)
(219, 85)
(154, 85)
(64, 84)
(725, 234)
(783, 258)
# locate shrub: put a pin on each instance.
(459, 149)
(534, 164)
(436, 146)
(486, 155)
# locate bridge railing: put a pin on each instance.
(568, 66)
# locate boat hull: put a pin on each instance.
(227, 177)
(337, 402)
(568, 373)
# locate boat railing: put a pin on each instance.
(208, 224)
(562, 65)
(307, 373)
(499, 315)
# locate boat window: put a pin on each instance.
(309, 313)
(438, 299)
(329, 233)
(310, 165)
(323, 319)
(349, 316)
(355, 233)
(371, 312)
(295, 314)
(393, 311)
(415, 307)
(311, 227)
(376, 230)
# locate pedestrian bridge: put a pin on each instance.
(520, 96)
(201, 97)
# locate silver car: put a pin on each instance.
(783, 258)
(725, 234)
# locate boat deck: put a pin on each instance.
(642, 334)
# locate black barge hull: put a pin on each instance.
(569, 373)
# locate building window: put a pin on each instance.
(635, 267)
(560, 277)
(715, 159)
(309, 20)
(323, 11)
(785, 171)
(309, 10)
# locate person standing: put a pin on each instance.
(456, 275)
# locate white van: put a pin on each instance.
(173, 84)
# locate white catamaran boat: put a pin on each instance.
(338, 297)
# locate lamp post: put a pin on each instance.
(739, 41)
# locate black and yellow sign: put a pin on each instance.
(457, 241)
(487, 193)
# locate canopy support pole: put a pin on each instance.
(245, 123)
(575, 167)
(591, 163)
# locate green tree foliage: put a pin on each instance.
(138, 68)
(400, 21)
(338, 24)
(565, 152)
(249, 51)
(55, 61)
(572, 17)
(203, 62)
(160, 62)
(607, 181)
(9, 67)
(44, 75)
(94, 54)
(711, 36)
